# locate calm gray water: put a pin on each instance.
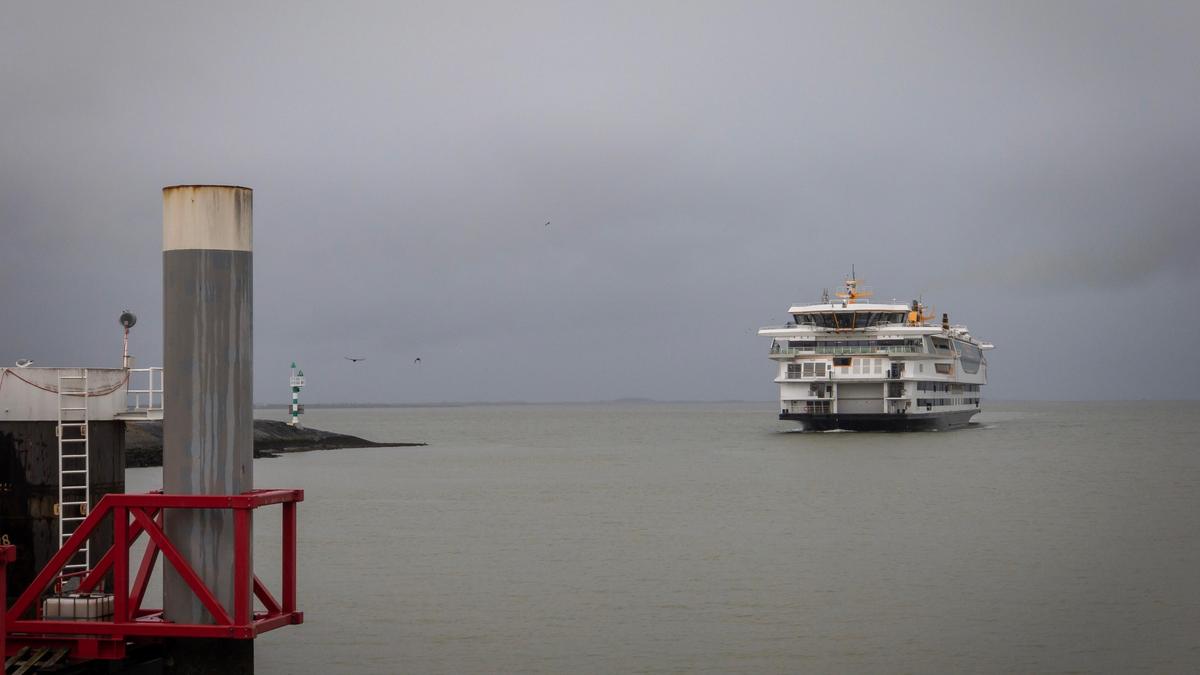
(699, 538)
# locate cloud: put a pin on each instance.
(703, 165)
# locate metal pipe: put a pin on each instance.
(208, 424)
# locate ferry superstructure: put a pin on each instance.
(852, 364)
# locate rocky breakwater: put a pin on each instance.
(143, 441)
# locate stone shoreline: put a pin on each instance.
(143, 441)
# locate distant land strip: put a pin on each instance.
(143, 441)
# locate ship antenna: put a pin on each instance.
(824, 296)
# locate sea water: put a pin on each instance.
(1048, 537)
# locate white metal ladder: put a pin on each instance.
(74, 478)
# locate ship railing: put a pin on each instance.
(839, 351)
(801, 407)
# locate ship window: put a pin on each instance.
(943, 368)
(841, 361)
(820, 368)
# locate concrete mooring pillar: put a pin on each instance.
(208, 417)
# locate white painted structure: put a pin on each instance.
(32, 394)
(860, 365)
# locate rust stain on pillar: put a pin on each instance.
(208, 416)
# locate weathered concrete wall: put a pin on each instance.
(29, 394)
(29, 490)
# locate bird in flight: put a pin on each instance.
(547, 224)
(354, 360)
(417, 361)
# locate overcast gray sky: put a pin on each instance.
(1031, 168)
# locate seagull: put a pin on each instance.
(24, 363)
(354, 360)
(417, 361)
(547, 224)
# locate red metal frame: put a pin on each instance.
(106, 639)
(7, 555)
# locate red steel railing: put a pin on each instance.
(133, 516)
(7, 555)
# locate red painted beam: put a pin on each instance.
(145, 569)
(277, 621)
(142, 628)
(105, 563)
(185, 570)
(7, 555)
(106, 639)
(52, 568)
(264, 596)
(289, 557)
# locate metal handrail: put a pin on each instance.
(895, 349)
(134, 515)
(153, 395)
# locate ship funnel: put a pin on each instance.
(945, 321)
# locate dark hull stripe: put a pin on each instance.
(881, 422)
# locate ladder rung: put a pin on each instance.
(77, 409)
(72, 424)
(74, 471)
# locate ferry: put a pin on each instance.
(848, 363)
